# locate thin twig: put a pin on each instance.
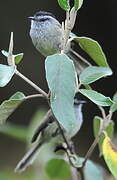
(10, 58)
(91, 149)
(102, 112)
(68, 26)
(73, 15)
(33, 96)
(102, 128)
(110, 115)
(67, 29)
(81, 173)
(74, 174)
(32, 84)
(80, 57)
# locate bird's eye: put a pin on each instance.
(43, 19)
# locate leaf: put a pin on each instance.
(92, 170)
(92, 48)
(15, 131)
(96, 97)
(9, 106)
(60, 75)
(97, 122)
(113, 108)
(58, 168)
(6, 73)
(93, 73)
(115, 97)
(110, 155)
(5, 53)
(78, 4)
(17, 57)
(64, 4)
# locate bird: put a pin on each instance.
(48, 131)
(46, 35)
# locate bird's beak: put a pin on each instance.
(31, 17)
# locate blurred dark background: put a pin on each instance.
(96, 19)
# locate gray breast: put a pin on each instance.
(46, 37)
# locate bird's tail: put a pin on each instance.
(28, 159)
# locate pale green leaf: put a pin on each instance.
(9, 106)
(5, 53)
(92, 170)
(115, 97)
(64, 4)
(6, 73)
(92, 48)
(60, 75)
(93, 73)
(78, 4)
(58, 168)
(96, 97)
(113, 108)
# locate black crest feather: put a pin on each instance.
(43, 13)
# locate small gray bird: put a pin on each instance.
(49, 132)
(46, 35)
